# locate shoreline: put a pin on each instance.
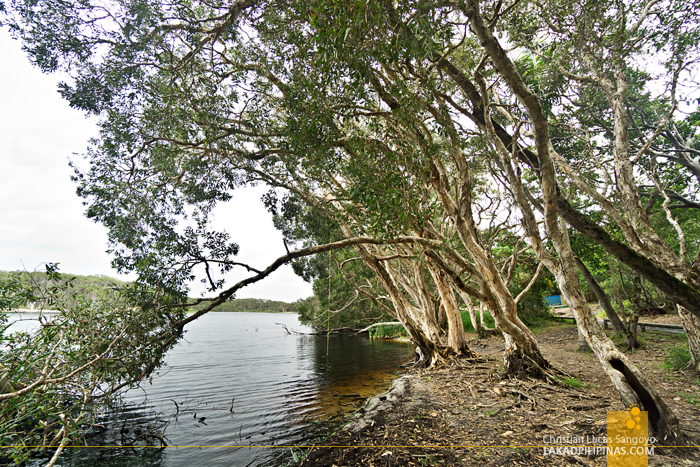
(467, 414)
(401, 390)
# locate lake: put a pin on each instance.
(282, 386)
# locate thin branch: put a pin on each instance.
(532, 282)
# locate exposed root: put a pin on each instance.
(523, 367)
(441, 357)
(483, 333)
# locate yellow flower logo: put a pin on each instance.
(633, 422)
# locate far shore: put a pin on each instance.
(28, 310)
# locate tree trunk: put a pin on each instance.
(691, 325)
(442, 320)
(429, 352)
(482, 321)
(456, 339)
(633, 387)
(522, 354)
(582, 344)
(476, 324)
(618, 293)
(680, 292)
(632, 342)
(602, 298)
(628, 381)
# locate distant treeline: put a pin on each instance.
(97, 287)
(260, 305)
(78, 287)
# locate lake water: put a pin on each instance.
(281, 385)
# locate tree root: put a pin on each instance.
(483, 333)
(524, 367)
(441, 357)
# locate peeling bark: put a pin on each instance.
(456, 338)
(680, 292)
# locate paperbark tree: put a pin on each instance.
(641, 142)
(628, 381)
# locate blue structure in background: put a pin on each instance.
(554, 300)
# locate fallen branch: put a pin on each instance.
(387, 323)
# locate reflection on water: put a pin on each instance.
(281, 386)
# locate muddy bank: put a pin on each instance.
(466, 414)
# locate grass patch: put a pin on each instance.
(678, 357)
(549, 324)
(573, 382)
(535, 323)
(691, 398)
(467, 321)
(387, 332)
(621, 340)
(673, 337)
(538, 321)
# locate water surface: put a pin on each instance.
(282, 385)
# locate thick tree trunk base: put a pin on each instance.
(582, 343)
(521, 366)
(427, 359)
(439, 357)
(631, 343)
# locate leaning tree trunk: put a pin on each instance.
(633, 387)
(476, 324)
(522, 355)
(628, 328)
(602, 298)
(632, 342)
(691, 325)
(482, 320)
(627, 379)
(582, 343)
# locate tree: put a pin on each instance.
(625, 376)
(380, 117)
(346, 290)
(620, 133)
(77, 363)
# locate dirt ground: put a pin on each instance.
(467, 415)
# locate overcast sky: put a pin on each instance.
(41, 218)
